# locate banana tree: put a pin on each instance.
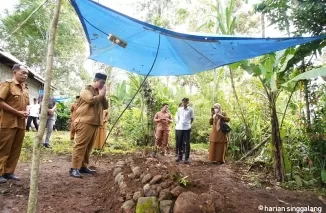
(271, 71)
(225, 22)
(120, 94)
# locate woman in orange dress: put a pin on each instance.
(218, 139)
(101, 132)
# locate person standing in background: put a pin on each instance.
(72, 118)
(34, 112)
(50, 122)
(101, 132)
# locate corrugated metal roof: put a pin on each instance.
(15, 60)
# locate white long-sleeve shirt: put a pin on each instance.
(183, 118)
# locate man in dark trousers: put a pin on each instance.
(89, 116)
(14, 99)
(185, 117)
(50, 122)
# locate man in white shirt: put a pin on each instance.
(176, 131)
(185, 116)
(34, 111)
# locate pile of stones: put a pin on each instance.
(158, 194)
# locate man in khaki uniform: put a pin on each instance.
(89, 116)
(163, 119)
(14, 99)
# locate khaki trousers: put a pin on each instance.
(84, 139)
(72, 130)
(11, 141)
(162, 139)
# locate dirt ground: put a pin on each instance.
(60, 193)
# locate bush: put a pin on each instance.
(63, 117)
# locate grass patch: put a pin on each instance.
(61, 145)
(59, 142)
(201, 147)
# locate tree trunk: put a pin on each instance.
(262, 21)
(306, 97)
(277, 142)
(215, 87)
(255, 148)
(248, 144)
(287, 24)
(32, 201)
(287, 104)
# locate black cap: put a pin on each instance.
(101, 76)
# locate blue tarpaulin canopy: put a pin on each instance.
(178, 53)
(59, 99)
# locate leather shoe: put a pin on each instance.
(186, 161)
(178, 160)
(75, 173)
(46, 145)
(2, 180)
(9, 176)
(86, 170)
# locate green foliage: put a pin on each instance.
(284, 12)
(27, 148)
(181, 179)
(130, 127)
(159, 21)
(309, 74)
(323, 176)
(200, 147)
(228, 19)
(63, 117)
(182, 14)
(29, 43)
(32, 36)
(60, 142)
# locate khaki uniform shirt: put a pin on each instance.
(16, 96)
(73, 111)
(163, 125)
(90, 107)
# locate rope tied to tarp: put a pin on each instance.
(141, 85)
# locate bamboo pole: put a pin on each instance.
(33, 193)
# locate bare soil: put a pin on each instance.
(237, 190)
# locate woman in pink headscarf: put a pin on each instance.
(218, 139)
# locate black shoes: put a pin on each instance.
(153, 154)
(9, 176)
(75, 173)
(86, 170)
(2, 180)
(46, 145)
(186, 161)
